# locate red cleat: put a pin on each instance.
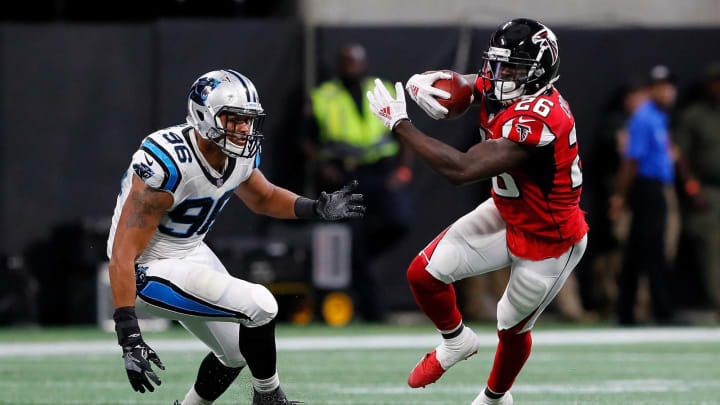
(431, 367)
(427, 371)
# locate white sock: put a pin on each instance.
(192, 398)
(266, 385)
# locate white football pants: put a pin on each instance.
(475, 244)
(198, 291)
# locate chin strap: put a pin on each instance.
(536, 94)
(520, 89)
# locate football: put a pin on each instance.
(460, 94)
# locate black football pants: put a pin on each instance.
(645, 252)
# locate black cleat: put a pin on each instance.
(276, 397)
(177, 403)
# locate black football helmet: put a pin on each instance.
(522, 59)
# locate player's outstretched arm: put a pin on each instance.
(485, 159)
(263, 197)
(139, 219)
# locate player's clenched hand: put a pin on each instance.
(390, 110)
(136, 353)
(421, 90)
(340, 204)
(137, 364)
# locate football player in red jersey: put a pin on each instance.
(533, 221)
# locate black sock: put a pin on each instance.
(456, 333)
(214, 378)
(493, 395)
(257, 345)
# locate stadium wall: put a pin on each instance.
(77, 99)
(489, 13)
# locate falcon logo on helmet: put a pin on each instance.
(231, 93)
(547, 41)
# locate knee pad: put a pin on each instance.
(441, 257)
(253, 303)
(208, 284)
(444, 263)
(524, 295)
(266, 306)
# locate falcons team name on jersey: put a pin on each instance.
(169, 160)
(539, 200)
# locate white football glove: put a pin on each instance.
(389, 110)
(421, 90)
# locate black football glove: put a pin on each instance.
(138, 367)
(341, 204)
(136, 353)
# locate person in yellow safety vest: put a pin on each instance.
(344, 140)
(346, 129)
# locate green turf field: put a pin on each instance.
(640, 373)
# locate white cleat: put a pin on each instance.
(451, 351)
(483, 399)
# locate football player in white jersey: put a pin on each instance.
(178, 181)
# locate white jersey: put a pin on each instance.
(169, 160)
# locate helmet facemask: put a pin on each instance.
(510, 76)
(234, 143)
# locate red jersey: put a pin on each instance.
(538, 200)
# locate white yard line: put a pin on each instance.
(356, 394)
(601, 387)
(540, 338)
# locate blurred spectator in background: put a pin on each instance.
(646, 172)
(607, 254)
(344, 140)
(698, 137)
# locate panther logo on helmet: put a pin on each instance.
(202, 88)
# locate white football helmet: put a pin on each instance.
(226, 91)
